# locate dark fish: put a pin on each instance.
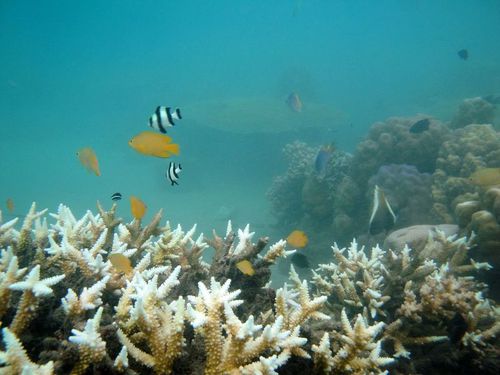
(164, 117)
(322, 158)
(294, 103)
(173, 173)
(382, 217)
(420, 126)
(300, 260)
(116, 197)
(463, 54)
(457, 327)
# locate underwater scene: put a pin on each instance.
(249, 187)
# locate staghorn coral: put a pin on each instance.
(16, 360)
(467, 150)
(149, 315)
(358, 353)
(153, 319)
(90, 344)
(436, 284)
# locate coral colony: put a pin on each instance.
(376, 309)
(98, 295)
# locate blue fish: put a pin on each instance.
(323, 158)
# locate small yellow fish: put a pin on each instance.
(10, 205)
(137, 207)
(121, 263)
(154, 144)
(88, 158)
(245, 267)
(297, 239)
(486, 177)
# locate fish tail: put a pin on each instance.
(174, 148)
(178, 113)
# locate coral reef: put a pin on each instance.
(170, 312)
(417, 236)
(436, 288)
(139, 314)
(390, 142)
(473, 111)
(467, 150)
(285, 193)
(391, 156)
(481, 217)
(407, 190)
(302, 193)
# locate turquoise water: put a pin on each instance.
(90, 73)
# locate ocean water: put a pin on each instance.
(90, 73)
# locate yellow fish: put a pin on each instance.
(121, 263)
(297, 239)
(88, 158)
(245, 267)
(486, 177)
(154, 144)
(10, 205)
(137, 207)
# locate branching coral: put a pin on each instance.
(121, 317)
(16, 360)
(359, 351)
(152, 322)
(435, 289)
(32, 289)
(236, 346)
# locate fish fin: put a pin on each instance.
(173, 148)
(178, 113)
(382, 217)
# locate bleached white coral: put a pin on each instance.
(277, 250)
(341, 278)
(360, 351)
(37, 286)
(90, 298)
(16, 360)
(244, 240)
(90, 336)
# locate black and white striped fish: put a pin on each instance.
(164, 117)
(173, 173)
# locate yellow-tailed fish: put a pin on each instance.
(137, 207)
(121, 263)
(382, 216)
(486, 177)
(297, 239)
(10, 205)
(154, 144)
(245, 267)
(88, 158)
